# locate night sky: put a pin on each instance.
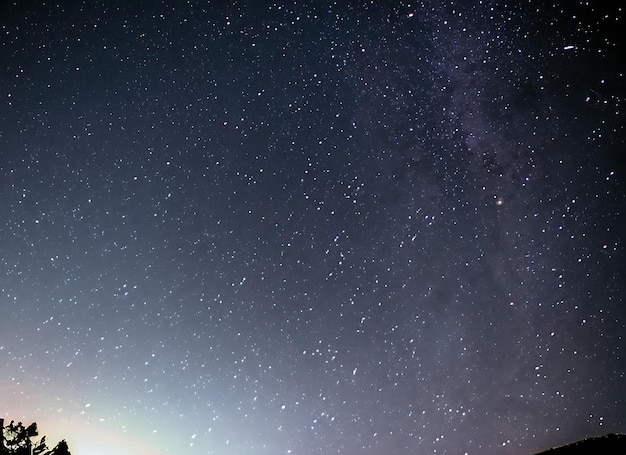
(312, 228)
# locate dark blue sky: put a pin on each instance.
(311, 228)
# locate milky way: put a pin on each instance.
(308, 228)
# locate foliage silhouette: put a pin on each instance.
(15, 439)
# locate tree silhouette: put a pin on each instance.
(60, 449)
(15, 439)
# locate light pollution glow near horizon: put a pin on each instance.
(312, 228)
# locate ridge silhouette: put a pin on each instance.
(610, 444)
(16, 439)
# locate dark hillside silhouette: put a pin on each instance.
(15, 439)
(611, 444)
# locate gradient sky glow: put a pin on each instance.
(307, 228)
